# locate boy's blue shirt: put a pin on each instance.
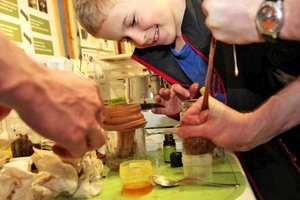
(194, 66)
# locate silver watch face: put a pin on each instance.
(269, 18)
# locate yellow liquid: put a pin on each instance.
(138, 188)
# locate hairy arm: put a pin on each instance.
(243, 131)
(59, 105)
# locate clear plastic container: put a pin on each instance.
(136, 177)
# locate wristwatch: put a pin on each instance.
(269, 19)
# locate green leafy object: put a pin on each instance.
(120, 100)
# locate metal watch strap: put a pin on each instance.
(269, 38)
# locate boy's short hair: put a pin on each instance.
(92, 13)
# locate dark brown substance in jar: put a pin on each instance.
(195, 145)
(22, 146)
(198, 145)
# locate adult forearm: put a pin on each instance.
(280, 113)
(291, 25)
(48, 100)
(18, 71)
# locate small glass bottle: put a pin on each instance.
(169, 146)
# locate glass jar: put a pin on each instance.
(203, 144)
(124, 127)
(154, 153)
(136, 177)
(195, 145)
(199, 154)
(123, 146)
(22, 139)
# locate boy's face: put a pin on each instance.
(143, 22)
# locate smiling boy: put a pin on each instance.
(159, 24)
(157, 35)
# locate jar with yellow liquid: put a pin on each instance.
(136, 177)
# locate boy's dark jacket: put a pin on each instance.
(264, 68)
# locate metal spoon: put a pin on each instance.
(167, 182)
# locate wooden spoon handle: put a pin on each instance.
(213, 44)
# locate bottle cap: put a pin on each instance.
(175, 158)
(169, 140)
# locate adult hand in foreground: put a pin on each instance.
(67, 109)
(224, 126)
(61, 106)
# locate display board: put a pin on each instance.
(33, 25)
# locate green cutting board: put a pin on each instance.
(227, 172)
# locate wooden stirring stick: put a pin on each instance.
(200, 145)
(213, 44)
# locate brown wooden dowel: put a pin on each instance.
(213, 44)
